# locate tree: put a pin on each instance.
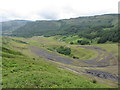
(83, 42)
(102, 40)
(64, 50)
(71, 43)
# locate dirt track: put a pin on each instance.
(106, 57)
(53, 56)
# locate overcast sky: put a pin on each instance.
(54, 9)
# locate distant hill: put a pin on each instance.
(9, 26)
(104, 27)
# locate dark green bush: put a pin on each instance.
(64, 50)
(6, 50)
(83, 42)
(71, 43)
(102, 40)
(94, 81)
(19, 41)
(75, 57)
(7, 55)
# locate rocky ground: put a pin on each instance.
(103, 60)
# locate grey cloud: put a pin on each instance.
(5, 16)
(10, 15)
(49, 15)
(68, 9)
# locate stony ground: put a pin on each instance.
(103, 60)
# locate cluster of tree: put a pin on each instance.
(64, 50)
(109, 36)
(104, 35)
(83, 42)
(71, 43)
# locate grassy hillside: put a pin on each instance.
(26, 71)
(9, 26)
(38, 28)
(50, 44)
(100, 28)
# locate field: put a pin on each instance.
(35, 63)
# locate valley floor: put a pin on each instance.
(95, 62)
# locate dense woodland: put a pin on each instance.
(103, 28)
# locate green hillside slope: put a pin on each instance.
(21, 71)
(9, 26)
(101, 27)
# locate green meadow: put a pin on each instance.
(21, 68)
